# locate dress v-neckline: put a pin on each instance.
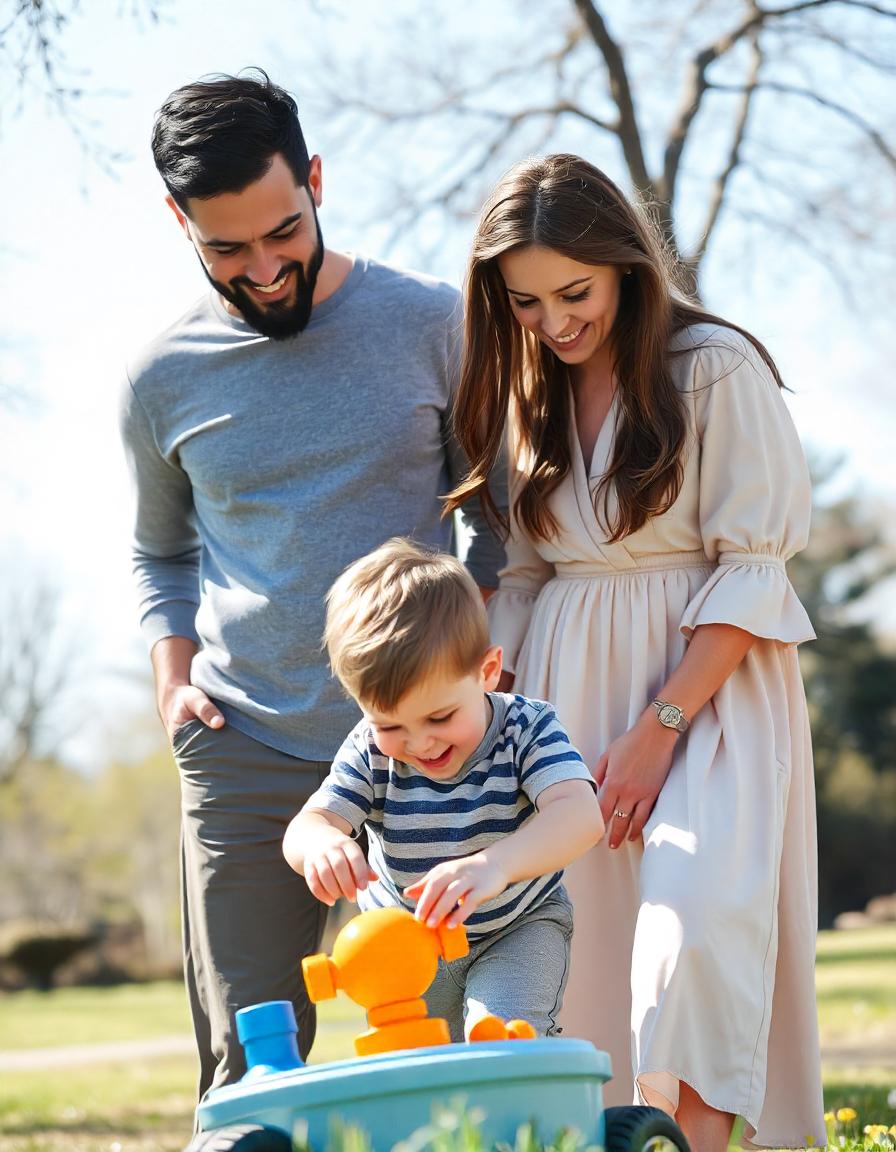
(600, 453)
(617, 555)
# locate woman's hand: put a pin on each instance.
(630, 775)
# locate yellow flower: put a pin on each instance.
(875, 1129)
(844, 1115)
(829, 1117)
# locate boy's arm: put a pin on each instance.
(566, 824)
(320, 847)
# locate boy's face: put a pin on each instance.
(438, 724)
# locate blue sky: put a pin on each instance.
(94, 266)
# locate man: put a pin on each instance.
(294, 419)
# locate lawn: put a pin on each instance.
(146, 1105)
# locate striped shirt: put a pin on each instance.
(414, 823)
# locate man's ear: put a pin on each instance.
(492, 662)
(181, 218)
(316, 181)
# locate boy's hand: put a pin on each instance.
(337, 869)
(453, 890)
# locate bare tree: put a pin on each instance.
(41, 673)
(36, 66)
(712, 110)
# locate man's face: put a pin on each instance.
(262, 248)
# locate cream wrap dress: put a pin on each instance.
(693, 954)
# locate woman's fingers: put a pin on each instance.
(618, 829)
(640, 816)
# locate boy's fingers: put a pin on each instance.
(315, 887)
(426, 899)
(447, 901)
(342, 873)
(329, 880)
(357, 863)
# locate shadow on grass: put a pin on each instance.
(869, 956)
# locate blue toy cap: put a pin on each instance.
(273, 1018)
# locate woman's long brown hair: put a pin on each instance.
(563, 203)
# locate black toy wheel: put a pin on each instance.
(637, 1129)
(241, 1138)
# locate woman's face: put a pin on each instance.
(571, 307)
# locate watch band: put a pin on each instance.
(670, 715)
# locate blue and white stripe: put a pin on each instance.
(414, 823)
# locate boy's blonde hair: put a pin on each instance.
(398, 615)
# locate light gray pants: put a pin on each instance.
(518, 973)
(248, 919)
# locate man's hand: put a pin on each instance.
(178, 700)
(336, 869)
(183, 703)
(453, 890)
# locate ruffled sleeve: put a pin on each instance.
(519, 582)
(755, 495)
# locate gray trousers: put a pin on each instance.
(518, 973)
(248, 919)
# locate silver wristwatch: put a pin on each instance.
(670, 715)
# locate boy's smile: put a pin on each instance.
(439, 723)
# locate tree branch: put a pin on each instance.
(620, 89)
(697, 84)
(831, 105)
(790, 231)
(720, 185)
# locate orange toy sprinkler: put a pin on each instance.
(385, 959)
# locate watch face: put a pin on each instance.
(669, 715)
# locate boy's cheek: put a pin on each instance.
(390, 746)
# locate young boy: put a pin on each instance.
(473, 801)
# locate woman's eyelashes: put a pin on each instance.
(571, 298)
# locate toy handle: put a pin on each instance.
(321, 977)
(452, 941)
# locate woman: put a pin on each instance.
(658, 486)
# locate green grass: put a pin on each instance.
(133, 1012)
(856, 983)
(92, 1015)
(143, 1105)
(147, 1105)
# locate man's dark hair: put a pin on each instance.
(221, 134)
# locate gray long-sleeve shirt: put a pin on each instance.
(262, 468)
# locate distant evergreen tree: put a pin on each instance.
(851, 686)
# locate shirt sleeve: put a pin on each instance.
(546, 755)
(485, 554)
(754, 497)
(348, 789)
(166, 546)
(522, 578)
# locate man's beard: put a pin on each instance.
(282, 318)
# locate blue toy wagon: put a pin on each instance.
(393, 1091)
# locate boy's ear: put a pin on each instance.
(492, 663)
